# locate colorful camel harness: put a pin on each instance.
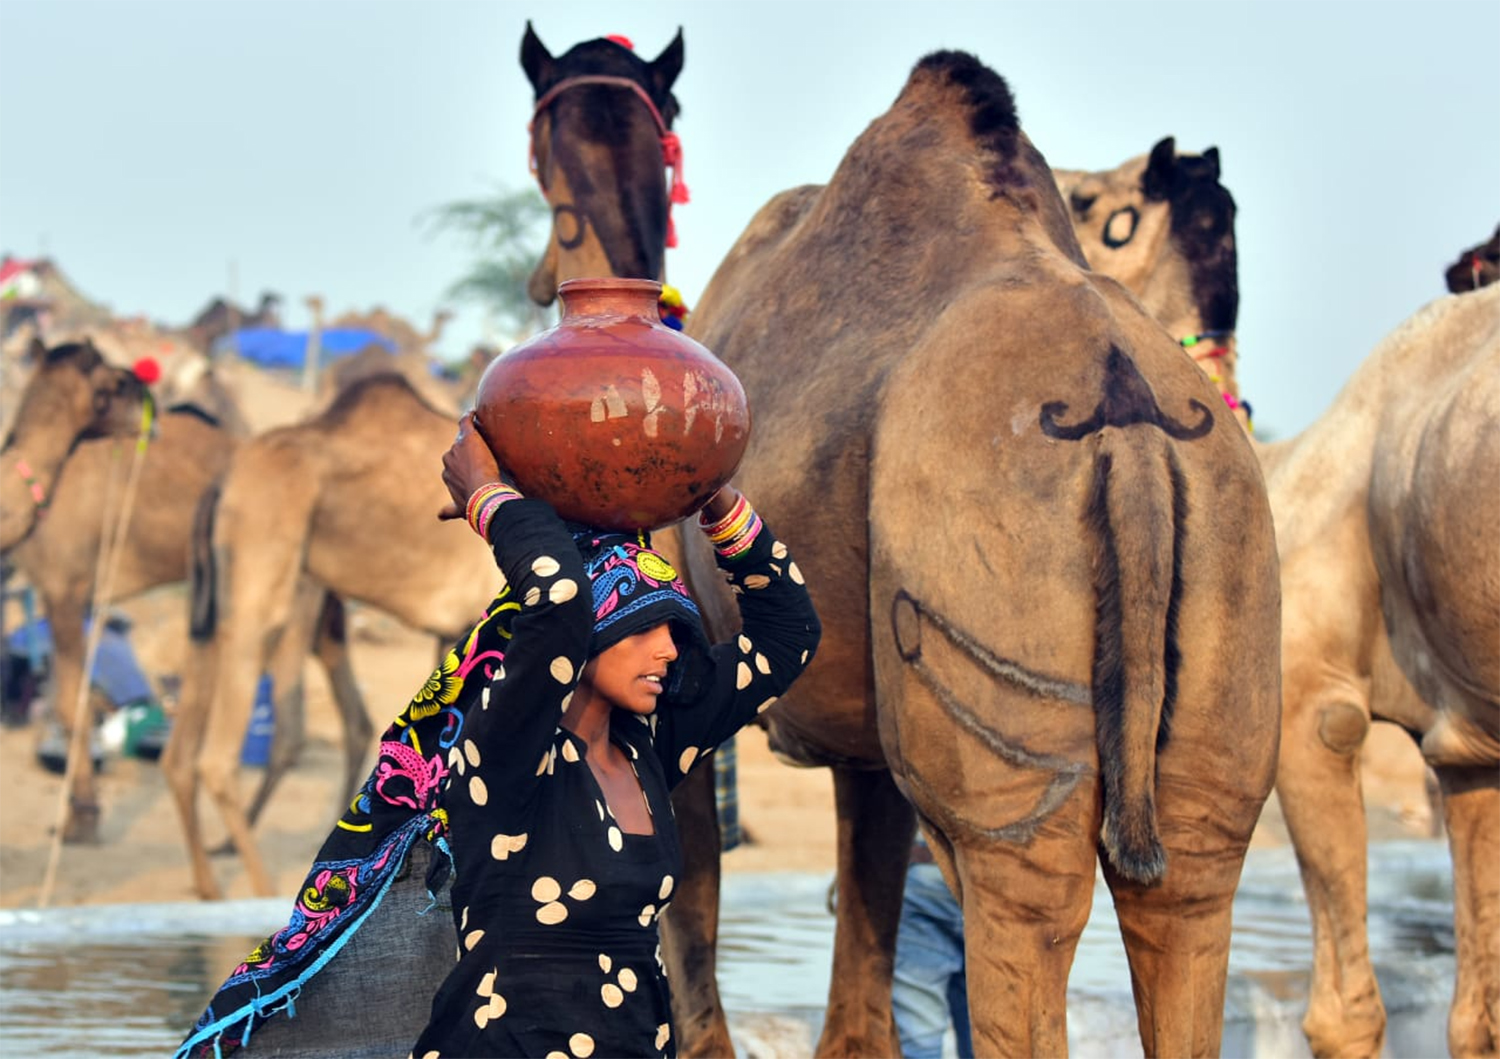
(671, 144)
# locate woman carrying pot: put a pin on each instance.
(538, 759)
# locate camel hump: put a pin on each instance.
(1127, 400)
(1137, 516)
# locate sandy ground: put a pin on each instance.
(787, 812)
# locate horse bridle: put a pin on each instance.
(671, 144)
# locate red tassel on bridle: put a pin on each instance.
(671, 144)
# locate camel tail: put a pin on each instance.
(203, 579)
(1138, 513)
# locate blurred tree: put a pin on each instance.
(508, 232)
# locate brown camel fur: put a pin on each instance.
(73, 394)
(59, 559)
(1012, 496)
(1163, 225)
(1476, 267)
(347, 500)
(1386, 517)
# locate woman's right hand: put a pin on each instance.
(467, 465)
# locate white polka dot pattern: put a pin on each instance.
(563, 590)
(667, 882)
(502, 846)
(663, 1035)
(611, 995)
(471, 752)
(479, 794)
(616, 840)
(685, 761)
(581, 1045)
(545, 888)
(742, 676)
(545, 566)
(562, 670)
(582, 890)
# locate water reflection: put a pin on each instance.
(129, 980)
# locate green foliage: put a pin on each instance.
(508, 234)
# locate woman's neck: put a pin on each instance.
(587, 717)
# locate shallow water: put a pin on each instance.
(130, 980)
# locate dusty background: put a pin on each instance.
(788, 812)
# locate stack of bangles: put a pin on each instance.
(484, 502)
(735, 532)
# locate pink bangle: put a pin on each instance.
(484, 502)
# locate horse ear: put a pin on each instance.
(536, 60)
(666, 66)
(1157, 181)
(1212, 156)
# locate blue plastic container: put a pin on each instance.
(256, 750)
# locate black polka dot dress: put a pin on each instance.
(556, 907)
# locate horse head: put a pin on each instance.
(601, 143)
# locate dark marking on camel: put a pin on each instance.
(1113, 241)
(1128, 400)
(580, 225)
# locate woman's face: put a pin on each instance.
(631, 673)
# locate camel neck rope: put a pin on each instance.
(33, 484)
(671, 144)
(1214, 352)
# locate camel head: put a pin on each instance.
(77, 393)
(601, 144)
(1476, 267)
(1163, 225)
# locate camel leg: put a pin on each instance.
(1471, 809)
(875, 828)
(1318, 784)
(332, 647)
(289, 734)
(690, 929)
(69, 646)
(179, 762)
(1177, 933)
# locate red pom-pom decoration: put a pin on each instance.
(622, 40)
(147, 370)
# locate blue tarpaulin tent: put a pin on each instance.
(273, 348)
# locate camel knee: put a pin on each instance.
(1473, 1028)
(218, 782)
(1342, 727)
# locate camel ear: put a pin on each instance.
(536, 60)
(1157, 181)
(1212, 157)
(668, 65)
(37, 351)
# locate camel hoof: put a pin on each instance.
(82, 826)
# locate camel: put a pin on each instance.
(1386, 514)
(221, 317)
(1476, 267)
(72, 394)
(59, 559)
(1163, 225)
(1013, 494)
(347, 500)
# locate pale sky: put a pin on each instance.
(159, 151)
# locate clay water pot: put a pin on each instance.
(612, 417)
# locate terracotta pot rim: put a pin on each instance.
(612, 283)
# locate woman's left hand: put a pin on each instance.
(467, 465)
